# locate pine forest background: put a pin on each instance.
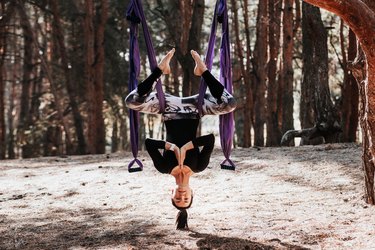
(64, 73)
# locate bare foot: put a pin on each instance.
(200, 66)
(164, 63)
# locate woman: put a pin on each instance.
(182, 156)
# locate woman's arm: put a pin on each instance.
(207, 141)
(161, 163)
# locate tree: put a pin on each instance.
(184, 35)
(78, 121)
(350, 96)
(245, 77)
(94, 27)
(4, 29)
(273, 109)
(287, 68)
(259, 71)
(359, 15)
(28, 65)
(31, 38)
(318, 115)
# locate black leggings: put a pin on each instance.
(196, 159)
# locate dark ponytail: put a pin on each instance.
(182, 216)
(181, 220)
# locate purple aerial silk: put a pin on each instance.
(135, 15)
(226, 121)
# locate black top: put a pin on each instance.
(181, 131)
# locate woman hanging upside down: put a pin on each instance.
(182, 156)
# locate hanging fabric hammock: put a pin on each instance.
(135, 15)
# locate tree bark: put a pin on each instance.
(26, 76)
(259, 66)
(78, 121)
(99, 76)
(359, 15)
(94, 74)
(7, 14)
(273, 129)
(350, 95)
(89, 40)
(287, 68)
(186, 36)
(247, 114)
(317, 109)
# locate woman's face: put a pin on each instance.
(182, 196)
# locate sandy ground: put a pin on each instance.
(307, 197)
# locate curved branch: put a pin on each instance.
(358, 15)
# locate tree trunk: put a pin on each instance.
(99, 77)
(316, 106)
(248, 113)
(307, 116)
(350, 95)
(186, 35)
(287, 68)
(89, 38)
(359, 15)
(246, 117)
(78, 122)
(11, 144)
(115, 140)
(2, 103)
(26, 77)
(11, 118)
(7, 12)
(26, 87)
(259, 66)
(273, 129)
(194, 42)
(94, 75)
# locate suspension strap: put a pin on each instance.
(135, 15)
(226, 123)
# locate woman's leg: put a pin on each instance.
(163, 68)
(142, 99)
(160, 161)
(216, 88)
(208, 142)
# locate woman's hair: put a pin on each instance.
(182, 216)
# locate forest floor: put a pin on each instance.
(308, 197)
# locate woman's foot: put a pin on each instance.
(164, 63)
(200, 66)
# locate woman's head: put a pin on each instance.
(182, 198)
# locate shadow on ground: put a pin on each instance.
(208, 241)
(65, 229)
(89, 228)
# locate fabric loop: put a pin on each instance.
(135, 160)
(227, 160)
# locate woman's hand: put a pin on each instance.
(175, 149)
(183, 150)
